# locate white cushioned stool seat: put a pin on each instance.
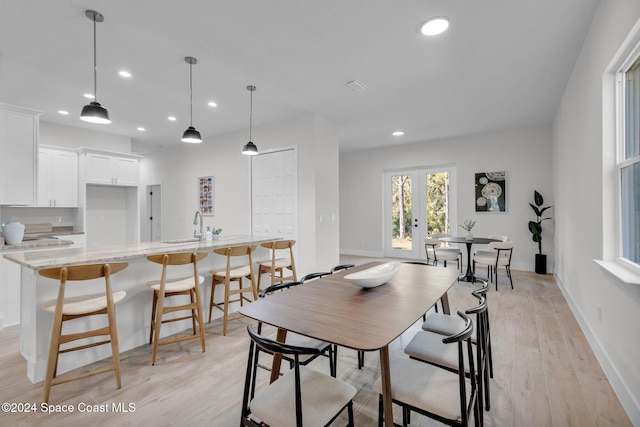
(175, 285)
(322, 397)
(84, 304)
(429, 347)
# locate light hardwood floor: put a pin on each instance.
(545, 372)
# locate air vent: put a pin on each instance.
(355, 85)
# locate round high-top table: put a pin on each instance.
(468, 276)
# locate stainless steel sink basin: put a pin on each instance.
(179, 241)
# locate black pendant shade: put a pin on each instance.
(94, 112)
(250, 149)
(191, 135)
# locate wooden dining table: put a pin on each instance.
(334, 310)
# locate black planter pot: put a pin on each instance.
(541, 263)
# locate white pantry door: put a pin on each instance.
(274, 194)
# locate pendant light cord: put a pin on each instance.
(95, 63)
(190, 94)
(250, 113)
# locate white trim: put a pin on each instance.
(621, 269)
(630, 405)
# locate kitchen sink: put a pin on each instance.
(178, 241)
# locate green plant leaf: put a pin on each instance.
(537, 198)
(536, 210)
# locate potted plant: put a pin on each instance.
(467, 225)
(536, 230)
(216, 233)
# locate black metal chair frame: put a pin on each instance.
(311, 276)
(329, 351)
(269, 346)
(341, 267)
(466, 408)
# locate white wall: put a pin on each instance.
(523, 153)
(177, 170)
(585, 208)
(71, 137)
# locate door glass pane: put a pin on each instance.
(438, 207)
(631, 212)
(401, 216)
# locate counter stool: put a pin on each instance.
(64, 309)
(277, 265)
(184, 286)
(233, 274)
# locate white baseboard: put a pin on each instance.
(627, 399)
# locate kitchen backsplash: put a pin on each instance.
(58, 217)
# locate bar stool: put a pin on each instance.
(277, 265)
(64, 309)
(233, 274)
(184, 286)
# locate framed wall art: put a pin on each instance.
(491, 191)
(207, 195)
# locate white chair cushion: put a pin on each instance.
(234, 273)
(443, 324)
(280, 263)
(429, 347)
(426, 387)
(84, 304)
(322, 397)
(490, 260)
(176, 285)
(443, 254)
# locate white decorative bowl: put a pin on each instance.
(374, 276)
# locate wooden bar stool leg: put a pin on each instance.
(54, 348)
(157, 326)
(193, 312)
(198, 312)
(154, 308)
(213, 294)
(227, 285)
(113, 332)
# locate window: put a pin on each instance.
(628, 165)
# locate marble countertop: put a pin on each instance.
(36, 244)
(73, 256)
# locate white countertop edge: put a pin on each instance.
(622, 273)
(88, 255)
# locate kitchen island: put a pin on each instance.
(133, 313)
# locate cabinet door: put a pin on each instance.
(98, 169)
(18, 142)
(64, 176)
(125, 171)
(44, 177)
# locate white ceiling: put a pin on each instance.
(502, 64)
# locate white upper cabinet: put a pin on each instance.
(18, 148)
(57, 178)
(111, 169)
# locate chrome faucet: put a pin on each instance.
(195, 222)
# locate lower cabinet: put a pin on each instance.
(9, 293)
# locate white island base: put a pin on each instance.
(133, 314)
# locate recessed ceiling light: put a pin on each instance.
(63, 112)
(141, 129)
(124, 73)
(212, 104)
(434, 26)
(89, 95)
(398, 133)
(172, 118)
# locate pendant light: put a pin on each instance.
(191, 135)
(94, 112)
(250, 148)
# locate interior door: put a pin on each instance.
(418, 202)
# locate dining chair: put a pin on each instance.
(341, 267)
(435, 253)
(277, 264)
(312, 276)
(446, 246)
(485, 251)
(325, 348)
(448, 397)
(300, 394)
(501, 257)
(67, 308)
(445, 324)
(180, 287)
(427, 347)
(230, 274)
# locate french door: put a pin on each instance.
(418, 202)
